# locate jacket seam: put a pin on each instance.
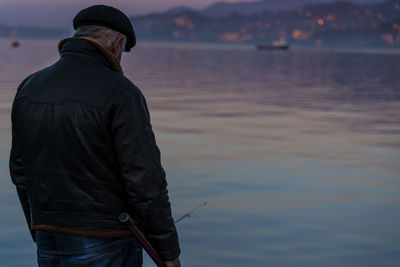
(63, 102)
(59, 173)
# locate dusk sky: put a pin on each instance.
(59, 13)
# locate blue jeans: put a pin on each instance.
(66, 250)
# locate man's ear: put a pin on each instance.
(117, 46)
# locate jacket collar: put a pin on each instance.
(89, 47)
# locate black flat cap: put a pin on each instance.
(109, 17)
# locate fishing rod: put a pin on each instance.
(126, 218)
(187, 215)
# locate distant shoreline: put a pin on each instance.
(222, 46)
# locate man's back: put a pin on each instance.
(63, 118)
(82, 133)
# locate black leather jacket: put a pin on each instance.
(83, 150)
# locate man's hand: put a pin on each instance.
(173, 263)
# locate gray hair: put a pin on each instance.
(103, 35)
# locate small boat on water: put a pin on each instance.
(15, 44)
(276, 45)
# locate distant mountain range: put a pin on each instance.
(31, 32)
(330, 24)
(220, 9)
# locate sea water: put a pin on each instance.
(296, 152)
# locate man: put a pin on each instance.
(83, 151)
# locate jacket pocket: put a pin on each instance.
(109, 259)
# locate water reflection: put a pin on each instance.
(296, 153)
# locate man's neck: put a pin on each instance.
(114, 62)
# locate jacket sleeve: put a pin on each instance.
(139, 162)
(17, 170)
